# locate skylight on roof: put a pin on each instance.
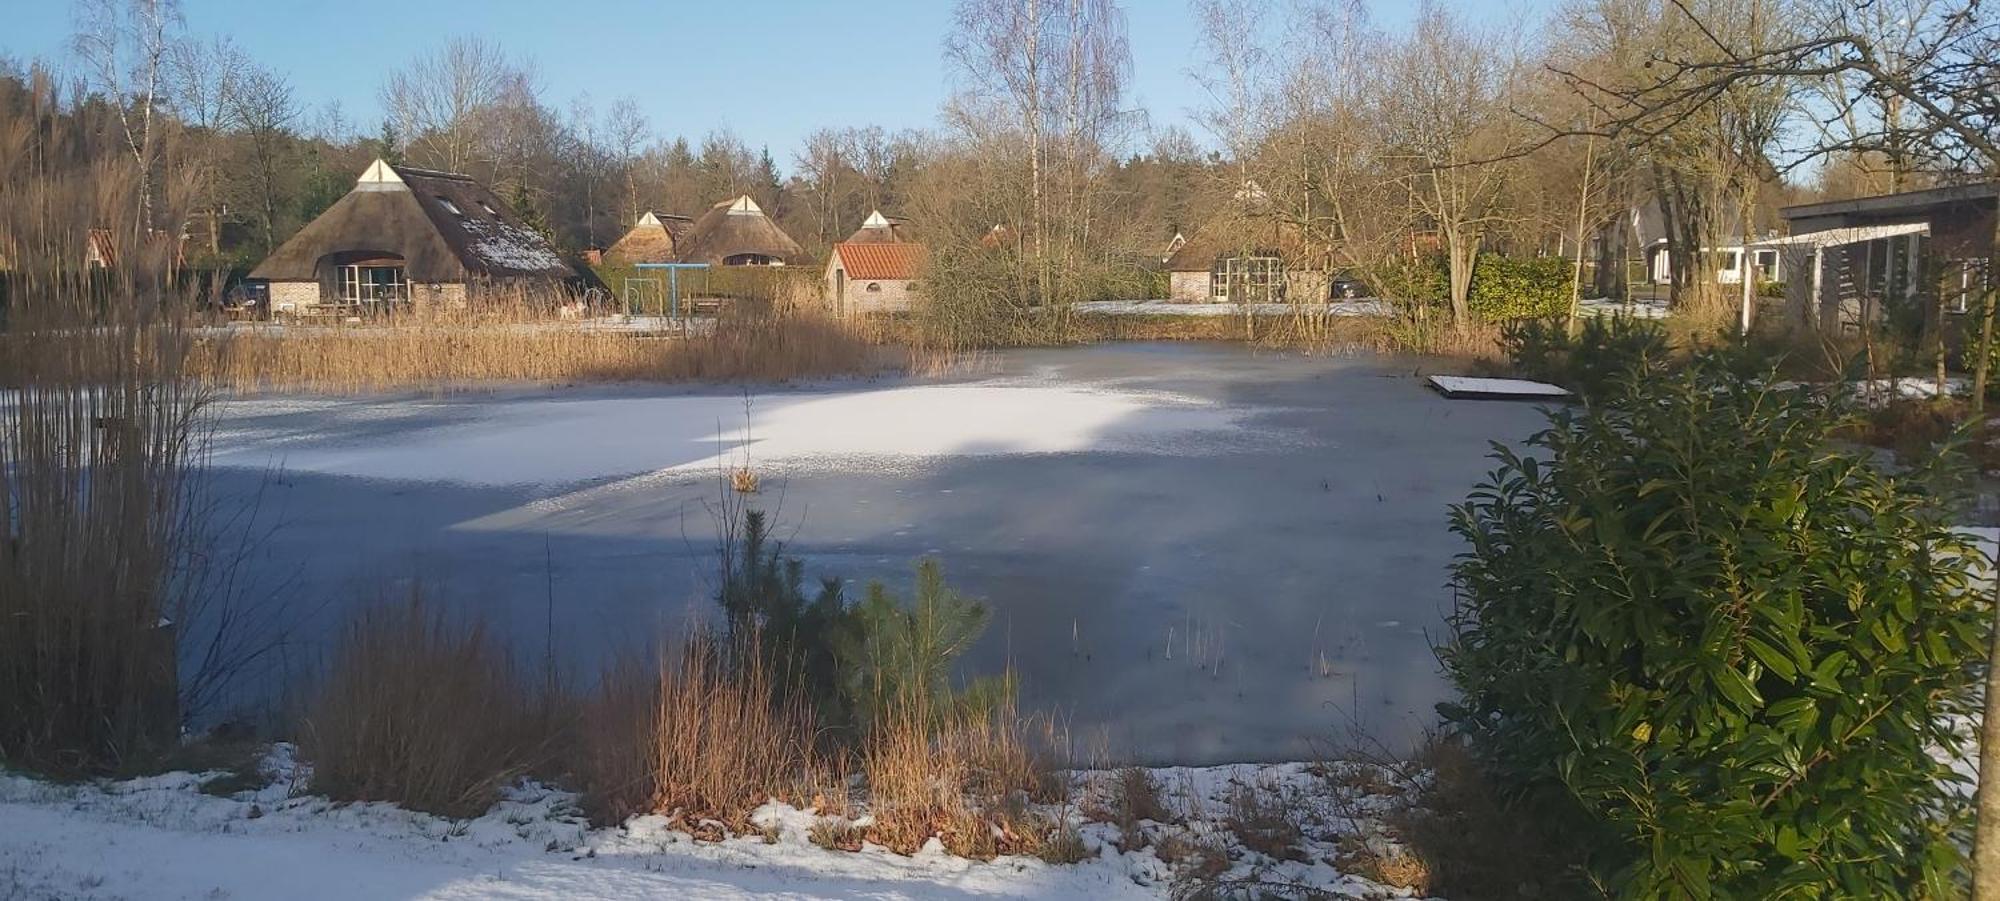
(449, 207)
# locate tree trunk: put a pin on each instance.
(1985, 357)
(1986, 831)
(1582, 211)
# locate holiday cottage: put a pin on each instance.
(410, 237)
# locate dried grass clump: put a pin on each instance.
(422, 711)
(837, 834)
(1266, 822)
(705, 738)
(521, 342)
(967, 779)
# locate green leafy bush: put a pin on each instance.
(1505, 289)
(1421, 282)
(1604, 352)
(1730, 653)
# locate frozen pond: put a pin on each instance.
(1194, 553)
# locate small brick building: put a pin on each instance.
(876, 270)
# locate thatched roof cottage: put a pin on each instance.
(655, 238)
(1245, 260)
(404, 236)
(880, 229)
(737, 233)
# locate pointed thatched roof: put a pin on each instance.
(880, 229)
(445, 228)
(1240, 235)
(736, 229)
(655, 238)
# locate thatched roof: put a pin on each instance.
(1240, 236)
(655, 238)
(445, 227)
(880, 229)
(738, 228)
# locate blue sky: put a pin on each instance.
(772, 70)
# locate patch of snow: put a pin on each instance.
(1456, 386)
(1636, 309)
(1363, 307)
(161, 837)
(509, 246)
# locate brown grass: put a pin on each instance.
(1342, 334)
(99, 434)
(422, 711)
(1470, 841)
(1135, 798)
(967, 780)
(698, 739)
(519, 343)
(1265, 822)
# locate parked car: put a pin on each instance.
(1349, 286)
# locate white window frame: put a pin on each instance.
(370, 293)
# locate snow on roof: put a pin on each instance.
(1854, 235)
(505, 245)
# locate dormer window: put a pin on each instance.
(450, 207)
(490, 211)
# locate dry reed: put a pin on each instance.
(423, 711)
(967, 779)
(99, 432)
(518, 342)
(705, 738)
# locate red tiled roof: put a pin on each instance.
(871, 262)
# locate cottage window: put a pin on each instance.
(1247, 279)
(490, 211)
(873, 287)
(1767, 265)
(449, 207)
(373, 287)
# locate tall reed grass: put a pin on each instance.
(100, 433)
(519, 342)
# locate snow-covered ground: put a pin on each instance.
(161, 837)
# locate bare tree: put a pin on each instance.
(1447, 114)
(206, 78)
(1055, 72)
(443, 104)
(629, 131)
(124, 47)
(264, 111)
